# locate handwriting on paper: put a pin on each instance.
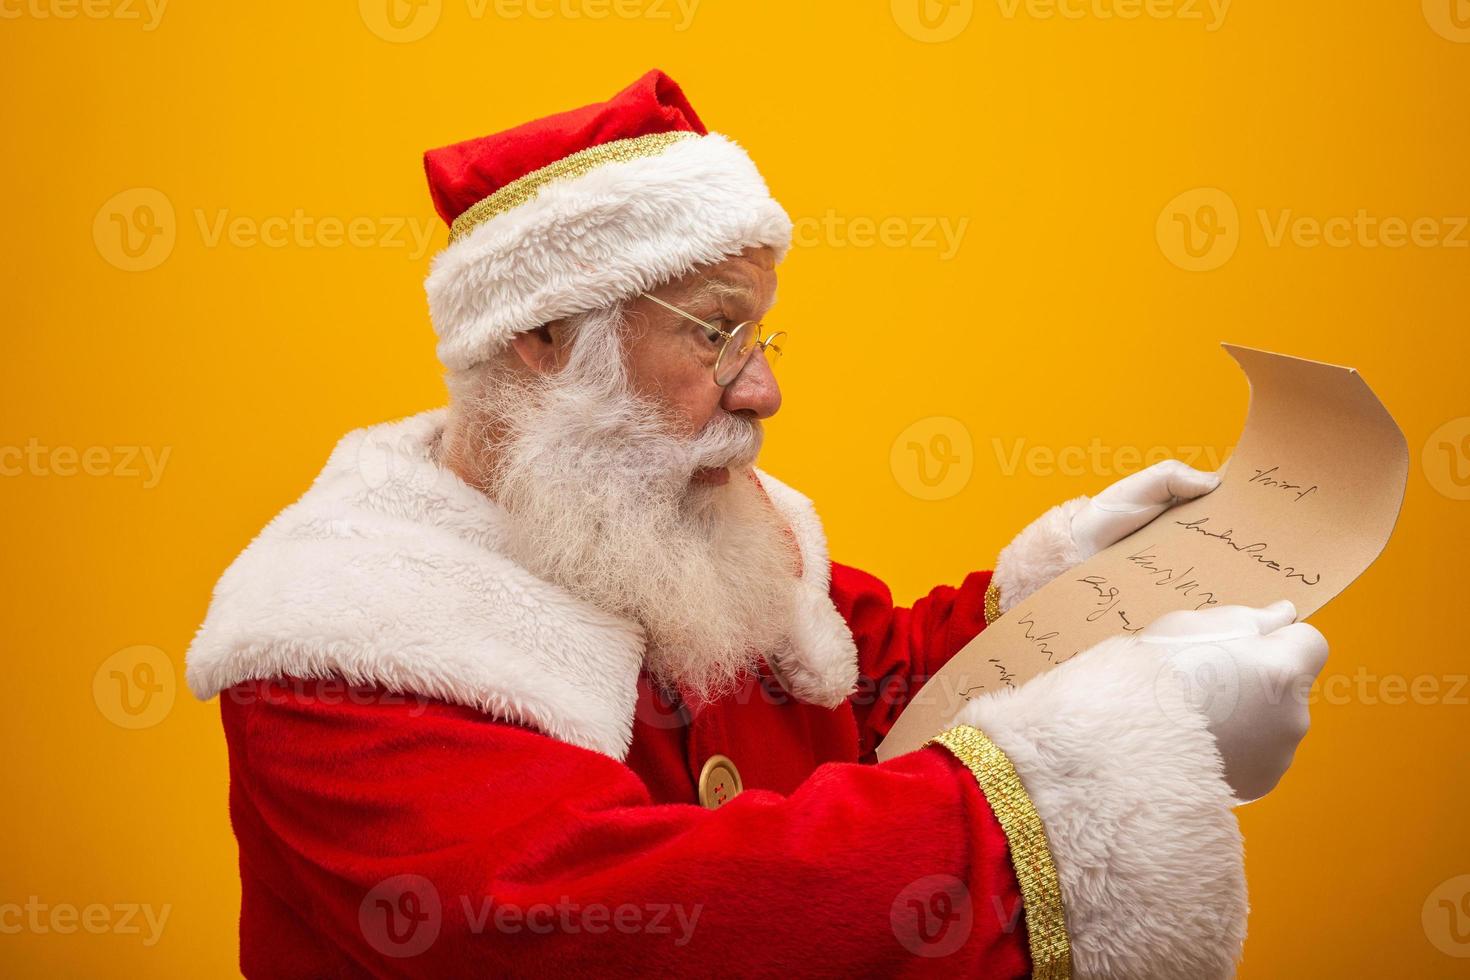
(1306, 502)
(1268, 478)
(1257, 551)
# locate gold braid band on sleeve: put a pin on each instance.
(1041, 889)
(992, 603)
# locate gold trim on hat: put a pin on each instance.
(523, 189)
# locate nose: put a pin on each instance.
(754, 391)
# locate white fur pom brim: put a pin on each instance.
(1044, 550)
(588, 242)
(1129, 786)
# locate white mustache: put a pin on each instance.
(727, 440)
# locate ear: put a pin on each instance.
(540, 349)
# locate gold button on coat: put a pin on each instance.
(719, 782)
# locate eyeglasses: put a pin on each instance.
(738, 344)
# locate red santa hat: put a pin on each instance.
(579, 210)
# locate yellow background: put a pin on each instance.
(1060, 321)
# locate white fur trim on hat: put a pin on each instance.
(1129, 785)
(587, 242)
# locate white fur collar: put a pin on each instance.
(389, 571)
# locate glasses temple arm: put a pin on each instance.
(688, 316)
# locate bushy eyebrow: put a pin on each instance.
(719, 289)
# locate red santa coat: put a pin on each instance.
(443, 766)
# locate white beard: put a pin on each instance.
(599, 492)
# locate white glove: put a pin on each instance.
(1134, 501)
(1073, 532)
(1248, 671)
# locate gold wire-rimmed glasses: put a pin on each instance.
(738, 344)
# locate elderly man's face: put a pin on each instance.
(672, 360)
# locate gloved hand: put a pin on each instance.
(1249, 671)
(1119, 751)
(1134, 501)
(1073, 532)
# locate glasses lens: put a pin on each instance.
(774, 347)
(736, 352)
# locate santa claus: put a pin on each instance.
(555, 681)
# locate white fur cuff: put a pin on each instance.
(1044, 550)
(1129, 785)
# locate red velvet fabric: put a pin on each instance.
(390, 836)
(466, 173)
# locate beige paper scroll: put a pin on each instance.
(1307, 502)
